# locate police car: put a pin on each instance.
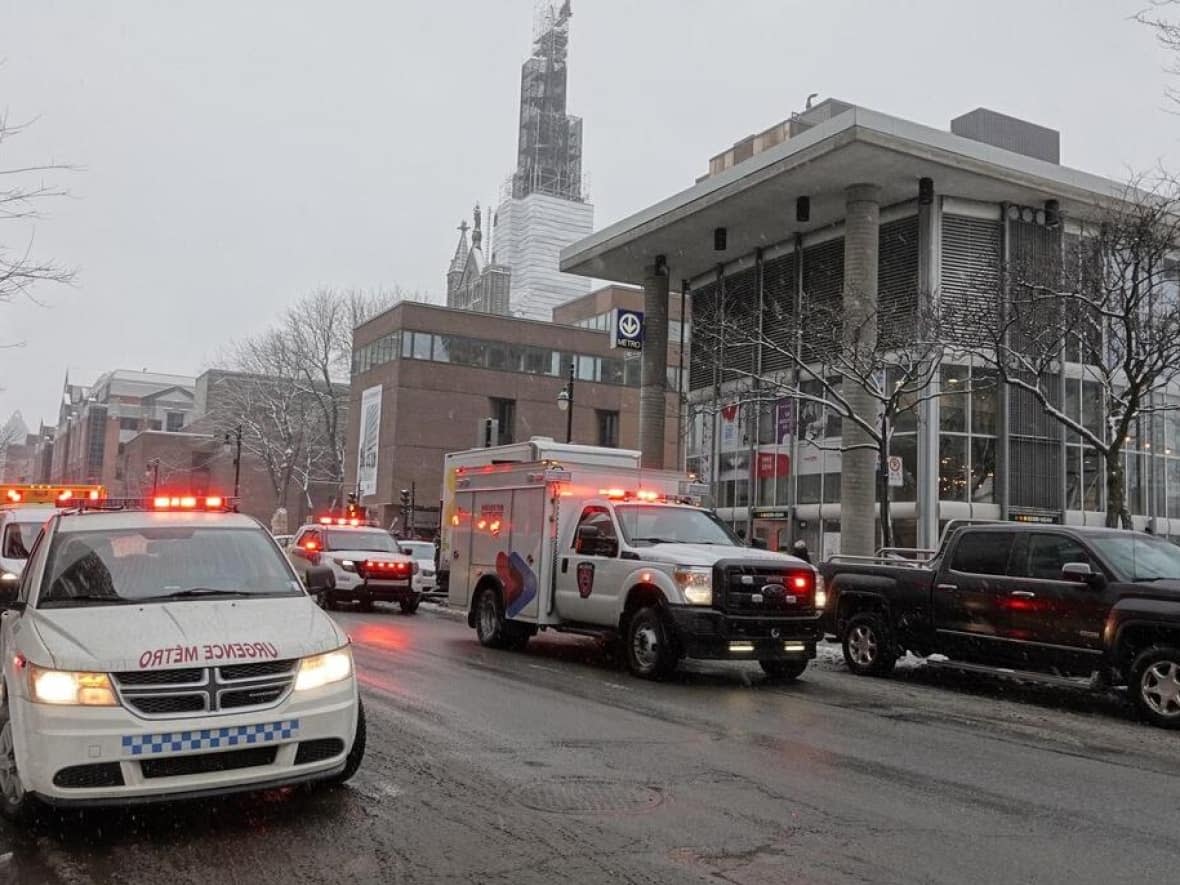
(168, 652)
(365, 560)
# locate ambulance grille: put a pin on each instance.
(162, 677)
(204, 763)
(318, 750)
(252, 671)
(165, 694)
(98, 774)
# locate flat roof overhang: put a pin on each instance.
(755, 200)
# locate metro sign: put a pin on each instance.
(626, 329)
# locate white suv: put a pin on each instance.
(365, 560)
(151, 655)
(422, 552)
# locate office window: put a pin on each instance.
(504, 411)
(175, 421)
(129, 424)
(608, 428)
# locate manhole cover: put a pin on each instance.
(587, 796)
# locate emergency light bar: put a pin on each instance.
(48, 494)
(627, 495)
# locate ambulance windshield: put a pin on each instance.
(18, 538)
(138, 565)
(662, 524)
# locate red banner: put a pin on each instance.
(770, 464)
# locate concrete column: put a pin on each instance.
(653, 379)
(929, 282)
(858, 529)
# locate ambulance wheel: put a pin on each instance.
(353, 761)
(517, 636)
(649, 644)
(489, 619)
(15, 804)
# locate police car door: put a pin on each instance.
(12, 602)
(589, 571)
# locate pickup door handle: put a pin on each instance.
(951, 587)
(1023, 594)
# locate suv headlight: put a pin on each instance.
(68, 688)
(9, 577)
(347, 564)
(321, 670)
(695, 583)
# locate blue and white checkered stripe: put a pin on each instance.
(209, 738)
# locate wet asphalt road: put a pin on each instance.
(554, 765)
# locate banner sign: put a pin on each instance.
(784, 420)
(369, 440)
(771, 465)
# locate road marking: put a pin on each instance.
(546, 669)
(616, 685)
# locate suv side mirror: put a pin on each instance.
(319, 578)
(9, 590)
(1080, 573)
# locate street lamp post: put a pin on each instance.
(153, 468)
(237, 435)
(565, 402)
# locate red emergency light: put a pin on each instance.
(626, 494)
(188, 502)
(802, 582)
(382, 568)
(14, 496)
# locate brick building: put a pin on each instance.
(441, 372)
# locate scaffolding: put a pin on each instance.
(549, 149)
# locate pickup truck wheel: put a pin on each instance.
(489, 619)
(649, 644)
(868, 649)
(15, 804)
(1155, 685)
(785, 670)
(353, 761)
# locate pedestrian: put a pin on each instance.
(799, 550)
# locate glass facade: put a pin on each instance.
(496, 355)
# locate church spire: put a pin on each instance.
(460, 259)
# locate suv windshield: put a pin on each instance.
(658, 523)
(1138, 558)
(153, 564)
(376, 540)
(18, 539)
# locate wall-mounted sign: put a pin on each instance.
(626, 329)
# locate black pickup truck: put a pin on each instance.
(1043, 603)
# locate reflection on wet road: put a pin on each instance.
(553, 764)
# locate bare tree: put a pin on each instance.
(1110, 310)
(1163, 17)
(825, 358)
(22, 192)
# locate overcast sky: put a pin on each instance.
(237, 154)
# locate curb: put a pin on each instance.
(441, 608)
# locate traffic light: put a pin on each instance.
(405, 499)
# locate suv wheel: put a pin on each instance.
(1155, 685)
(409, 606)
(868, 648)
(489, 619)
(649, 644)
(786, 670)
(353, 761)
(15, 803)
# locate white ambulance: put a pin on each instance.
(582, 540)
(24, 509)
(168, 652)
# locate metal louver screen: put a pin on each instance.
(778, 317)
(1038, 464)
(823, 283)
(704, 351)
(970, 272)
(897, 280)
(739, 344)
